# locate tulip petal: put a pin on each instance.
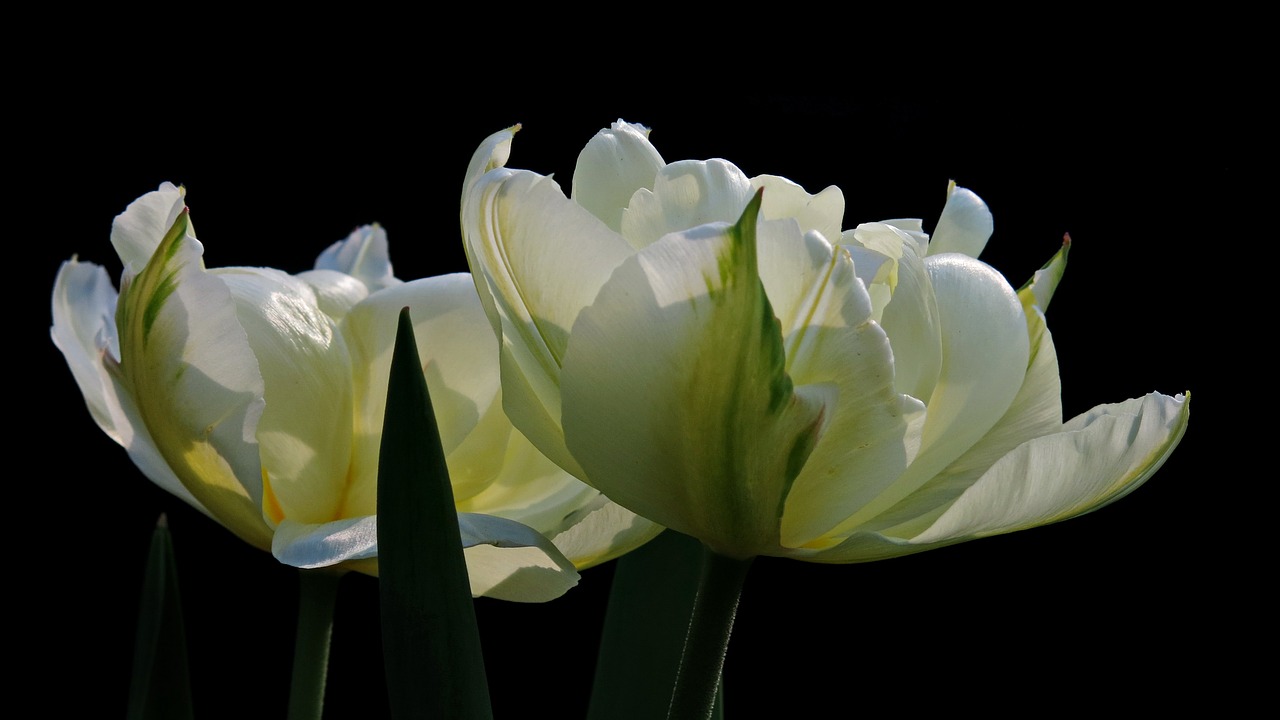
(529, 488)
(304, 435)
(686, 194)
(186, 360)
(510, 561)
(985, 350)
(362, 255)
(910, 317)
(965, 225)
(1039, 289)
(458, 351)
(505, 560)
(616, 163)
(336, 292)
(860, 546)
(830, 343)
(84, 330)
(137, 231)
(519, 230)
(676, 400)
(316, 545)
(1035, 411)
(603, 531)
(786, 199)
(492, 153)
(1099, 457)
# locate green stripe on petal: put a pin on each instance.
(1039, 289)
(137, 231)
(185, 359)
(676, 399)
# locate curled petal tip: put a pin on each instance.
(162, 521)
(1066, 240)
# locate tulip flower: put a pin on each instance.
(258, 397)
(714, 353)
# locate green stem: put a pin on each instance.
(714, 609)
(317, 593)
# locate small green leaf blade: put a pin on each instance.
(160, 688)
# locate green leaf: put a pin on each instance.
(431, 645)
(161, 686)
(644, 629)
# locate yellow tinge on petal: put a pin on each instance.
(186, 362)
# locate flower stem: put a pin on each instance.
(714, 609)
(317, 592)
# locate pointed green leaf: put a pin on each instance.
(161, 685)
(431, 645)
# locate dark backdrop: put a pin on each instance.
(1118, 608)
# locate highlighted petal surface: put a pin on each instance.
(1099, 457)
(304, 435)
(615, 164)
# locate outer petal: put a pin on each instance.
(84, 304)
(509, 561)
(964, 226)
(1039, 289)
(985, 352)
(492, 153)
(314, 545)
(537, 259)
(505, 560)
(137, 231)
(186, 361)
(611, 168)
(534, 491)
(686, 194)
(363, 255)
(304, 435)
(603, 531)
(1099, 457)
(676, 400)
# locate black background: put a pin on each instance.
(1123, 608)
